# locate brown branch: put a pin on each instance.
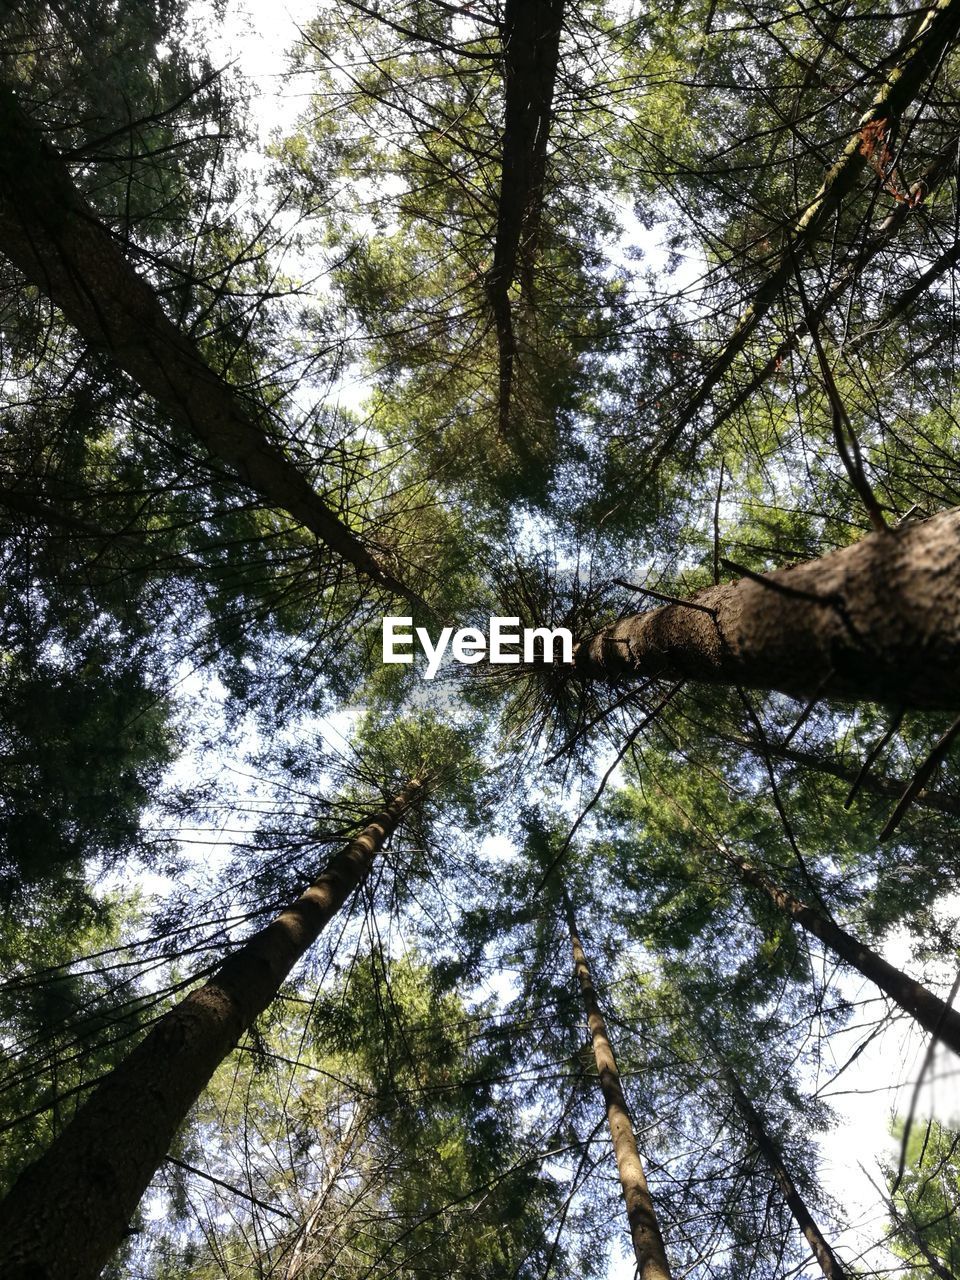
(227, 1186)
(932, 762)
(922, 55)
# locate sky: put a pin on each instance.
(879, 1084)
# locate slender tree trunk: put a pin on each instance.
(299, 1260)
(67, 1213)
(849, 273)
(943, 263)
(50, 233)
(919, 59)
(644, 1228)
(932, 1013)
(878, 621)
(827, 1259)
(914, 1233)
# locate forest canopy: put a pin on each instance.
(629, 330)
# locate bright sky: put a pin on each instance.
(879, 1084)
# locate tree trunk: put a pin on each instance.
(67, 1213)
(50, 233)
(299, 1261)
(849, 273)
(914, 1234)
(644, 1229)
(919, 59)
(531, 49)
(827, 1259)
(878, 621)
(932, 1013)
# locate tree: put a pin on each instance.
(51, 235)
(387, 1144)
(871, 621)
(539, 310)
(95, 1173)
(825, 1256)
(933, 1014)
(922, 1200)
(644, 1229)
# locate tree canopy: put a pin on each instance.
(631, 320)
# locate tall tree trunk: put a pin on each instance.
(920, 57)
(848, 274)
(51, 234)
(932, 1013)
(827, 1259)
(877, 621)
(67, 1213)
(644, 1228)
(914, 1233)
(531, 49)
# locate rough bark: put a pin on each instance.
(51, 234)
(932, 1013)
(644, 1228)
(828, 1262)
(531, 50)
(67, 1213)
(919, 59)
(878, 621)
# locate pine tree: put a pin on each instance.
(595, 315)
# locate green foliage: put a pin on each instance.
(924, 1199)
(393, 1142)
(65, 1024)
(420, 1100)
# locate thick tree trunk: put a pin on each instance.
(50, 233)
(644, 1229)
(67, 1213)
(531, 49)
(826, 1258)
(932, 1013)
(878, 621)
